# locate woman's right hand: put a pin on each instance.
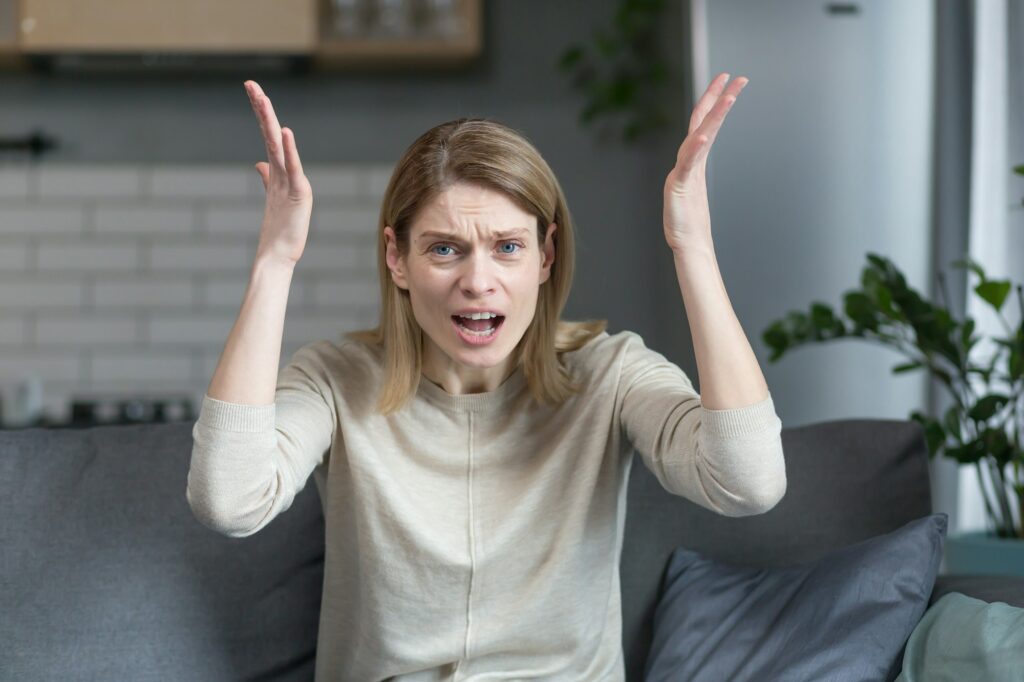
(289, 195)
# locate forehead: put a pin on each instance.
(465, 209)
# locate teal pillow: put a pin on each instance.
(842, 618)
(963, 638)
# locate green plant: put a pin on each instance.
(634, 71)
(974, 430)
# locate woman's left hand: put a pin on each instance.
(687, 217)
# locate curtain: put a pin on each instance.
(994, 223)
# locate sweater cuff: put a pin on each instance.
(741, 421)
(226, 416)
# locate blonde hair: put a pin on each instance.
(489, 154)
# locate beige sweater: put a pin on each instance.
(477, 536)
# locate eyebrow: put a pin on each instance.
(500, 234)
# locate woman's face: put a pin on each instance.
(472, 248)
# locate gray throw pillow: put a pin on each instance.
(845, 616)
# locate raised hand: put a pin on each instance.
(687, 217)
(289, 203)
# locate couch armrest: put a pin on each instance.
(990, 588)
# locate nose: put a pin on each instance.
(478, 276)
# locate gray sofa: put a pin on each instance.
(106, 574)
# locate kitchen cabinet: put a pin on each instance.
(111, 26)
(325, 34)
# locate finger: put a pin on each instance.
(255, 102)
(690, 154)
(268, 124)
(713, 97)
(707, 100)
(263, 168)
(707, 131)
(250, 90)
(712, 123)
(291, 157)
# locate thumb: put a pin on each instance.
(262, 168)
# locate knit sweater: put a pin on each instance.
(476, 536)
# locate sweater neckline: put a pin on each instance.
(476, 402)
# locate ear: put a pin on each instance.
(549, 253)
(395, 261)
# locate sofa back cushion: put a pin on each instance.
(108, 575)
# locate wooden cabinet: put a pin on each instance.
(121, 26)
(331, 34)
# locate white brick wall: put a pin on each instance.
(124, 280)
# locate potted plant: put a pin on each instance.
(623, 71)
(982, 427)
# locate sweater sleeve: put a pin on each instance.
(728, 461)
(249, 461)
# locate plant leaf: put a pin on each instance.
(1016, 362)
(960, 453)
(933, 432)
(970, 452)
(776, 338)
(899, 369)
(951, 422)
(965, 336)
(994, 292)
(859, 308)
(969, 263)
(823, 319)
(987, 406)
(571, 56)
(997, 445)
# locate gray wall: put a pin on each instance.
(625, 271)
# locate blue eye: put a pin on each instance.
(507, 253)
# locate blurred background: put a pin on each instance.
(130, 207)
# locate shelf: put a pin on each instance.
(463, 46)
(368, 53)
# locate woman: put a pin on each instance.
(473, 472)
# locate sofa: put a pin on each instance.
(107, 575)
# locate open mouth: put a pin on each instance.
(480, 328)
